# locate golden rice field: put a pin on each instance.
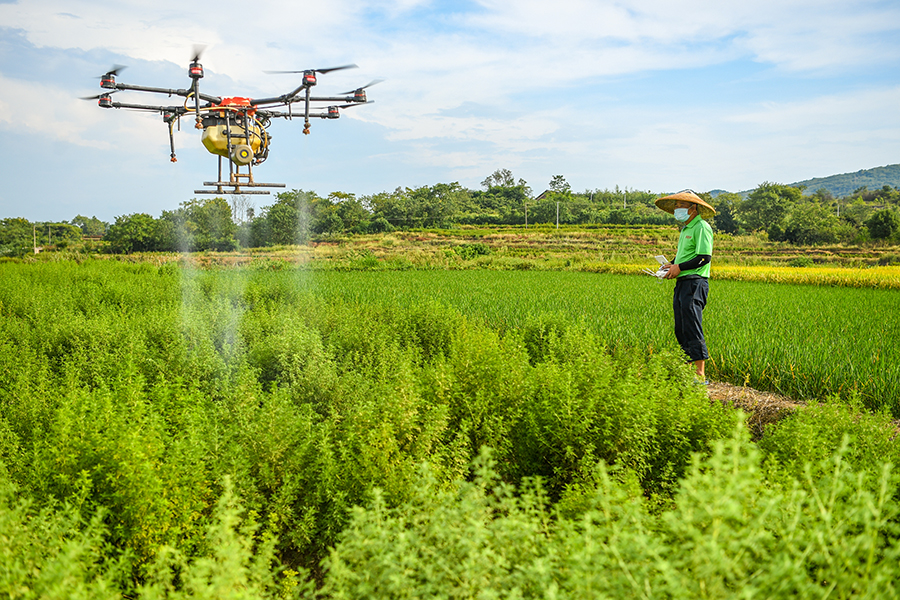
(872, 277)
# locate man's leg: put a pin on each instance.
(691, 299)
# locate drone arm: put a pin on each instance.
(183, 92)
(283, 99)
(196, 93)
(160, 109)
(346, 99)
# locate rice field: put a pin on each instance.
(804, 341)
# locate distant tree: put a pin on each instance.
(767, 206)
(380, 225)
(807, 223)
(426, 206)
(242, 209)
(883, 224)
(889, 195)
(171, 232)
(59, 235)
(210, 223)
(329, 222)
(394, 207)
(726, 206)
(288, 221)
(437, 204)
(16, 236)
(196, 225)
(353, 214)
(499, 178)
(545, 210)
(503, 199)
(131, 233)
(90, 225)
(823, 195)
(285, 223)
(559, 185)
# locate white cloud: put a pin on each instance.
(869, 109)
(27, 108)
(574, 87)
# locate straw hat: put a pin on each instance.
(667, 203)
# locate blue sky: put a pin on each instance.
(652, 94)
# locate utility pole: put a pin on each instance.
(557, 214)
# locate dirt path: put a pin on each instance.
(762, 408)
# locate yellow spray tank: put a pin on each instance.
(247, 141)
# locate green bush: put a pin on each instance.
(52, 552)
(174, 432)
(727, 535)
(811, 435)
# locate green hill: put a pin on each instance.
(846, 183)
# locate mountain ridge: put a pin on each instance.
(844, 184)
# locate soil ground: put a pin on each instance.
(762, 408)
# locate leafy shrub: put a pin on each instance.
(471, 251)
(801, 261)
(812, 435)
(727, 535)
(52, 552)
(585, 404)
(236, 563)
(883, 224)
(130, 395)
(475, 540)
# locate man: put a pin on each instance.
(690, 269)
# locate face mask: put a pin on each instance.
(681, 214)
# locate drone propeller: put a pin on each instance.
(359, 89)
(198, 52)
(352, 104)
(113, 71)
(98, 96)
(328, 70)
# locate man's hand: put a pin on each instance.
(672, 271)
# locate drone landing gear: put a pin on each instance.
(237, 182)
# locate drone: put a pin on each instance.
(235, 128)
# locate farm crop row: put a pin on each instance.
(174, 433)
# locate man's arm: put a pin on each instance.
(695, 263)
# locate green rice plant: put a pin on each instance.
(807, 342)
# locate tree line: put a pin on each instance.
(782, 212)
